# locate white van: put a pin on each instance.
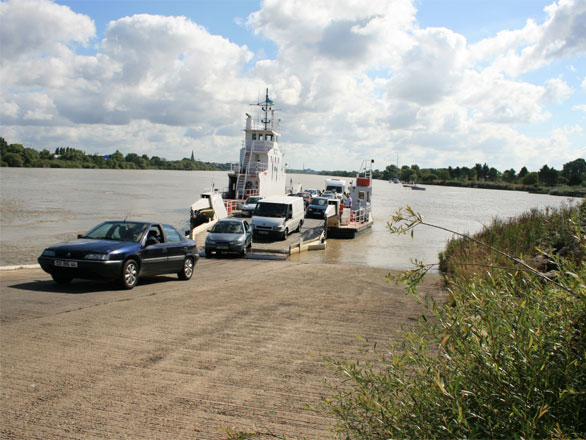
(278, 215)
(337, 186)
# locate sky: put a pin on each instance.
(435, 83)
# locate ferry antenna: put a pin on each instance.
(266, 106)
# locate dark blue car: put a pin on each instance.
(317, 207)
(122, 251)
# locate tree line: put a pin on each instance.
(16, 155)
(572, 174)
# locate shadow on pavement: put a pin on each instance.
(78, 286)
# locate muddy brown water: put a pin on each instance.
(40, 207)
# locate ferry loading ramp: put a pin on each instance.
(311, 236)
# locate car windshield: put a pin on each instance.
(319, 202)
(264, 209)
(228, 228)
(121, 231)
(252, 200)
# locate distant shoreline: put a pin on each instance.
(562, 190)
(569, 182)
(565, 191)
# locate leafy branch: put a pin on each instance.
(404, 222)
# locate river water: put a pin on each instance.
(40, 207)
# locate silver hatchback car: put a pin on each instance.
(229, 235)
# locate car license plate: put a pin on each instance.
(223, 246)
(62, 263)
(263, 232)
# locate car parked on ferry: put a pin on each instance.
(314, 192)
(250, 205)
(304, 195)
(229, 235)
(278, 216)
(317, 207)
(123, 251)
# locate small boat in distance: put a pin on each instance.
(417, 188)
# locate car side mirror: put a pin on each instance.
(80, 236)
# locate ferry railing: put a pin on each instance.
(356, 216)
(274, 125)
(215, 189)
(254, 168)
(232, 206)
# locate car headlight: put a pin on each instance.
(280, 227)
(96, 257)
(48, 253)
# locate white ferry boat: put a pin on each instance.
(347, 221)
(260, 171)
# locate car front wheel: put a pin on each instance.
(129, 274)
(187, 271)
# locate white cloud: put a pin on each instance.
(431, 69)
(518, 51)
(353, 79)
(40, 28)
(557, 90)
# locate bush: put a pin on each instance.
(551, 230)
(530, 179)
(506, 358)
(500, 363)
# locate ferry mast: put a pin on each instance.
(266, 107)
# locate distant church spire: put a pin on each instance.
(192, 155)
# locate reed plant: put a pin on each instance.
(531, 237)
(505, 359)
